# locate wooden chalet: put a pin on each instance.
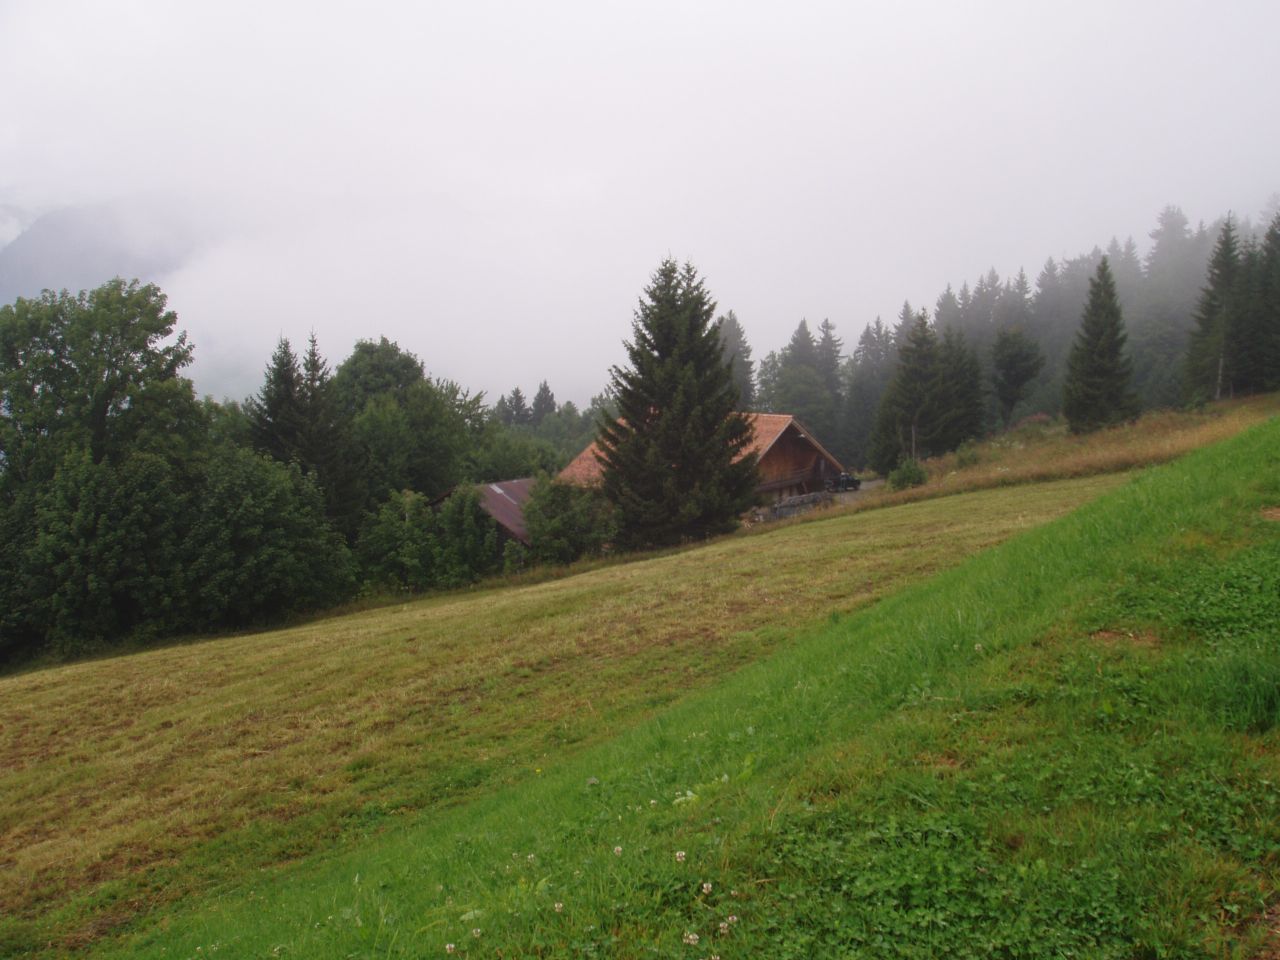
(792, 462)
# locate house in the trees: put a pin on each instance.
(504, 501)
(792, 461)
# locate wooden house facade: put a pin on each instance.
(792, 462)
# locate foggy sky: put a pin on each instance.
(492, 184)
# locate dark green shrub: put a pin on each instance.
(566, 522)
(908, 473)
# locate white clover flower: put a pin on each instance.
(679, 856)
(732, 918)
(559, 907)
(706, 888)
(449, 948)
(691, 938)
(724, 927)
(475, 932)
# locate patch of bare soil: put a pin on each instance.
(1271, 942)
(1271, 513)
(1116, 638)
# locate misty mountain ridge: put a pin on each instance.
(80, 247)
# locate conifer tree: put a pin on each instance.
(867, 373)
(275, 414)
(828, 359)
(673, 464)
(326, 446)
(1097, 391)
(947, 312)
(766, 398)
(802, 349)
(1208, 361)
(1015, 362)
(910, 415)
(733, 340)
(1269, 284)
(961, 405)
(1246, 337)
(544, 404)
(519, 407)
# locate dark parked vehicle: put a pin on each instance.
(842, 483)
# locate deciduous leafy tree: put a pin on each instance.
(673, 464)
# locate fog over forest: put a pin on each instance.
(491, 185)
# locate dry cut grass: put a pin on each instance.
(1038, 451)
(135, 781)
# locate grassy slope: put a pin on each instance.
(1064, 747)
(135, 781)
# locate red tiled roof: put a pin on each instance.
(585, 469)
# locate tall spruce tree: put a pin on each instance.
(673, 463)
(276, 414)
(326, 445)
(911, 412)
(733, 340)
(1015, 362)
(802, 349)
(867, 373)
(962, 404)
(828, 360)
(1270, 306)
(521, 415)
(1097, 391)
(1209, 352)
(544, 404)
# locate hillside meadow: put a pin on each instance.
(140, 788)
(136, 781)
(1065, 746)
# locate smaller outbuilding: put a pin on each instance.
(504, 501)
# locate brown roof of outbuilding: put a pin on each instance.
(504, 501)
(586, 469)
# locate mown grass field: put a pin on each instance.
(1064, 747)
(140, 780)
(1049, 725)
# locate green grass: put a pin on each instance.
(134, 782)
(1065, 746)
(865, 743)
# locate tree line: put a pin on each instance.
(1196, 324)
(130, 509)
